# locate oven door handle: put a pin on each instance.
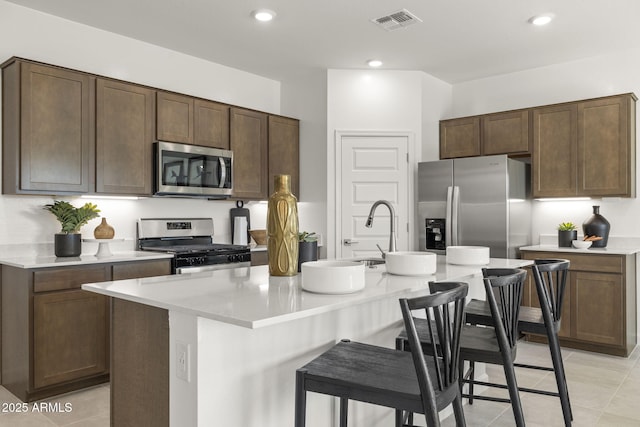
(223, 172)
(202, 268)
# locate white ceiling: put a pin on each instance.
(458, 40)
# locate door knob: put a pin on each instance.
(349, 242)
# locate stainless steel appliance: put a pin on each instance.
(192, 171)
(191, 241)
(475, 201)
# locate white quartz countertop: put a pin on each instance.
(250, 297)
(609, 250)
(42, 261)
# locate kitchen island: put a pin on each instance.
(222, 347)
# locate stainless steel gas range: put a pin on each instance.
(191, 242)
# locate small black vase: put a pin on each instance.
(597, 225)
(565, 238)
(307, 251)
(68, 245)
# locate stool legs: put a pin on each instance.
(344, 409)
(561, 381)
(301, 400)
(512, 385)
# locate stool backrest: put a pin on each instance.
(550, 276)
(444, 312)
(504, 288)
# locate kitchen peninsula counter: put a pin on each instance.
(222, 347)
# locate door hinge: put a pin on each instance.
(407, 157)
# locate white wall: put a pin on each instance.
(589, 78)
(41, 37)
(380, 100)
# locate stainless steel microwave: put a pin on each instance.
(184, 170)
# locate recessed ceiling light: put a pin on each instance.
(374, 63)
(540, 20)
(263, 15)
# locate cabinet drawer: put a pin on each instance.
(68, 278)
(584, 262)
(134, 270)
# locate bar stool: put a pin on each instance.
(497, 344)
(550, 276)
(406, 381)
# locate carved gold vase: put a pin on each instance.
(282, 229)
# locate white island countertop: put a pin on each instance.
(250, 297)
(43, 261)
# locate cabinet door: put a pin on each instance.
(506, 133)
(249, 146)
(174, 118)
(56, 147)
(597, 307)
(460, 137)
(604, 146)
(284, 157)
(70, 336)
(554, 151)
(211, 125)
(124, 138)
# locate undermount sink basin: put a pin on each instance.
(468, 255)
(332, 276)
(411, 263)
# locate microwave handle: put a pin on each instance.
(223, 172)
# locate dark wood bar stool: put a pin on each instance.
(406, 381)
(550, 278)
(496, 344)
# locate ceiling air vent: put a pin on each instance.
(400, 19)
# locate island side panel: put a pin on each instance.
(139, 365)
(247, 376)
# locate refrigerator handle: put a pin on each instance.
(448, 235)
(455, 215)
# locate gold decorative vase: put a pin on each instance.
(282, 229)
(104, 230)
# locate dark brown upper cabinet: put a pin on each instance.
(125, 123)
(585, 148)
(505, 133)
(174, 118)
(460, 137)
(211, 124)
(48, 122)
(249, 143)
(191, 120)
(284, 152)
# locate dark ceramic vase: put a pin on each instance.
(307, 251)
(68, 245)
(597, 225)
(565, 238)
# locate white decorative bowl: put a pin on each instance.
(581, 244)
(468, 255)
(332, 276)
(411, 263)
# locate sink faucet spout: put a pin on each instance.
(392, 222)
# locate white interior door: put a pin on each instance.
(371, 168)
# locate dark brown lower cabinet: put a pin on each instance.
(599, 311)
(55, 336)
(140, 371)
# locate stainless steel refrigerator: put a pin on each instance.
(475, 201)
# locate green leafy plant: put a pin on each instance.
(566, 226)
(305, 236)
(70, 217)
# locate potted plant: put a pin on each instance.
(566, 233)
(307, 247)
(68, 242)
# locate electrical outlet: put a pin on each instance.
(182, 361)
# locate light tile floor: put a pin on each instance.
(604, 391)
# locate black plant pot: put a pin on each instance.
(68, 245)
(565, 238)
(307, 251)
